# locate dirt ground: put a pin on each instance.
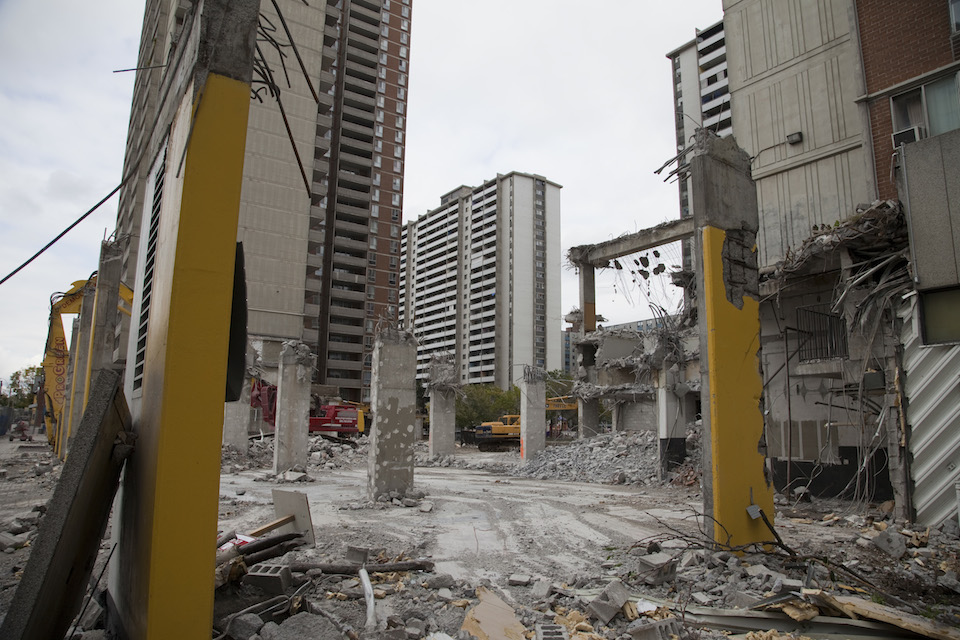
(483, 526)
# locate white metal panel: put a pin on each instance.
(932, 387)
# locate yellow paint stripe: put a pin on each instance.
(736, 420)
(191, 409)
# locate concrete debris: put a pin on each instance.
(658, 568)
(608, 604)
(646, 629)
(891, 543)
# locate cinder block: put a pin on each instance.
(551, 632)
(272, 578)
(608, 604)
(660, 630)
(658, 568)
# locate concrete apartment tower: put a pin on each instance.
(322, 191)
(480, 279)
(701, 99)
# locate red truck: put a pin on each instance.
(337, 418)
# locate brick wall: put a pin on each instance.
(899, 41)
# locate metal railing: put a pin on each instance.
(823, 334)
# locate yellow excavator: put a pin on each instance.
(56, 354)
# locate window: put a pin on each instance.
(402, 79)
(405, 25)
(376, 160)
(405, 12)
(401, 94)
(382, 72)
(374, 226)
(374, 210)
(929, 110)
(397, 151)
(375, 194)
(378, 145)
(380, 101)
(385, 18)
(398, 136)
(399, 122)
(403, 52)
(376, 178)
(394, 230)
(379, 131)
(938, 314)
(384, 44)
(382, 86)
(403, 65)
(395, 199)
(404, 38)
(385, 31)
(379, 115)
(400, 107)
(397, 166)
(383, 58)
(396, 184)
(373, 243)
(823, 334)
(954, 15)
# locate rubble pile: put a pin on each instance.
(619, 458)
(17, 532)
(325, 453)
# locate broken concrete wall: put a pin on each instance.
(635, 416)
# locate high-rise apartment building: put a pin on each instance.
(480, 279)
(701, 99)
(322, 192)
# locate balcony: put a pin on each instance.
(351, 227)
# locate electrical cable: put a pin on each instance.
(63, 233)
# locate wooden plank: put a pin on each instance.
(270, 526)
(889, 615)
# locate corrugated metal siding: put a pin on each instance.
(933, 413)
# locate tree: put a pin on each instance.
(22, 383)
(484, 403)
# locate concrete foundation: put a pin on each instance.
(237, 418)
(533, 413)
(443, 418)
(394, 404)
(291, 445)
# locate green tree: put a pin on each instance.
(485, 402)
(22, 383)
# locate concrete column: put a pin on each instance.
(671, 420)
(105, 313)
(79, 357)
(725, 213)
(291, 441)
(588, 411)
(394, 404)
(533, 413)
(443, 419)
(64, 416)
(443, 383)
(236, 419)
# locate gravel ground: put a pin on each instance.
(546, 537)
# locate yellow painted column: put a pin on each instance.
(191, 407)
(736, 419)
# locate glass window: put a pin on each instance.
(374, 211)
(403, 52)
(385, 31)
(943, 105)
(404, 38)
(954, 15)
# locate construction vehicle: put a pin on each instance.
(505, 432)
(337, 418)
(498, 434)
(56, 355)
(346, 418)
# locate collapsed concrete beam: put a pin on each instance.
(599, 255)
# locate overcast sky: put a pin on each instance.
(579, 92)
